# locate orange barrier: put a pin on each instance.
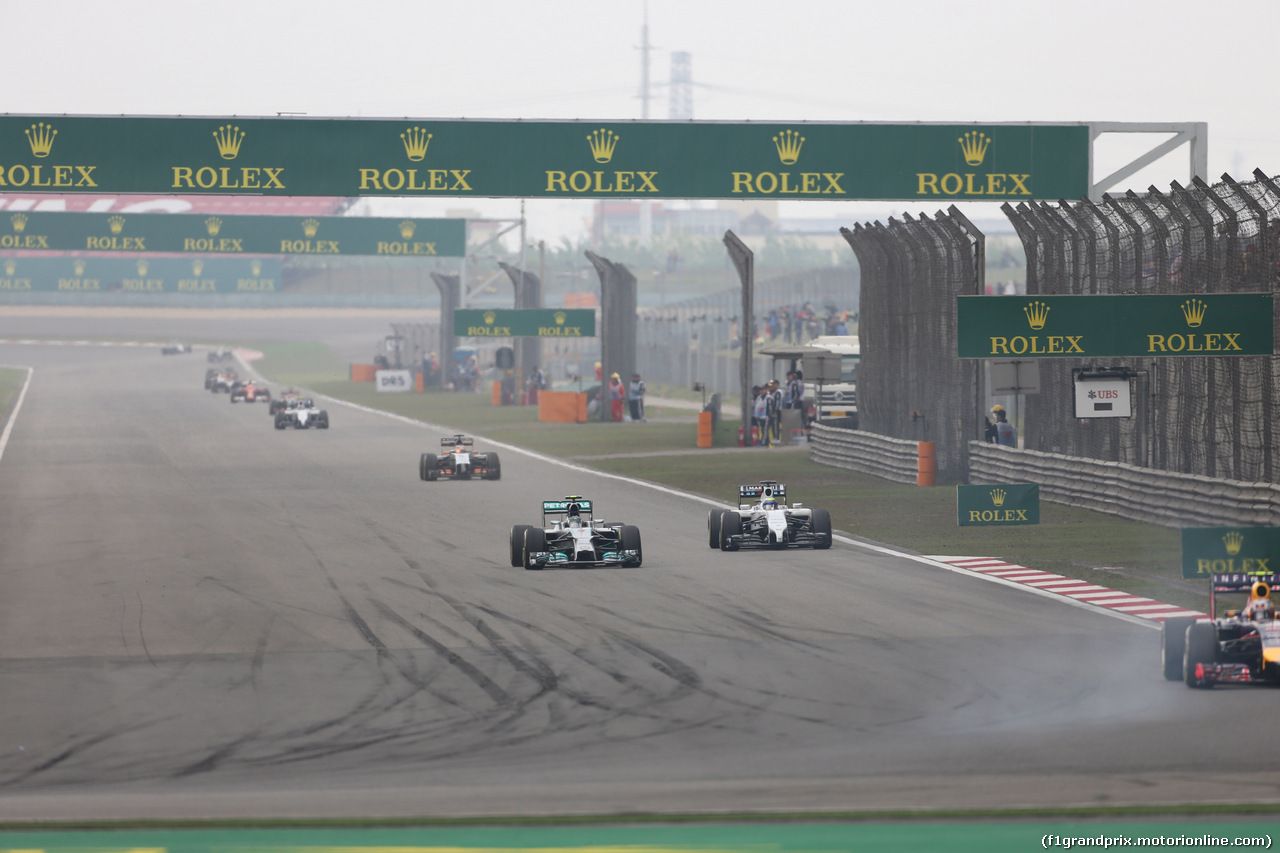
(565, 407)
(704, 429)
(495, 394)
(364, 373)
(926, 464)
(417, 382)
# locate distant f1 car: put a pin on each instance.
(222, 381)
(302, 415)
(217, 356)
(460, 462)
(763, 520)
(1241, 647)
(570, 535)
(250, 392)
(283, 400)
(175, 349)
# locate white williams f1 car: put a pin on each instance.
(302, 414)
(571, 536)
(459, 462)
(763, 520)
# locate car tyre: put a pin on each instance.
(629, 537)
(535, 539)
(821, 522)
(1173, 646)
(322, 422)
(730, 526)
(426, 464)
(713, 526)
(494, 471)
(280, 421)
(1202, 647)
(517, 542)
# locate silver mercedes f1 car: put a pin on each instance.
(572, 536)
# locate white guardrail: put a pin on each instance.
(1142, 494)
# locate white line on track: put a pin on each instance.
(13, 415)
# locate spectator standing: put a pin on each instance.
(636, 394)
(773, 409)
(616, 396)
(1006, 435)
(760, 415)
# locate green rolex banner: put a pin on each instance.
(1230, 550)
(183, 233)
(998, 505)
(525, 323)
(1148, 325)
(538, 158)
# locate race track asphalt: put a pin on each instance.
(203, 616)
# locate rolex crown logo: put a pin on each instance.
(19, 221)
(416, 140)
(256, 267)
(1037, 313)
(115, 223)
(197, 266)
(489, 317)
(560, 317)
(602, 143)
(40, 138)
(78, 266)
(1234, 542)
(10, 266)
(407, 228)
(228, 139)
(998, 496)
(143, 266)
(214, 225)
(310, 227)
(974, 145)
(1193, 310)
(788, 144)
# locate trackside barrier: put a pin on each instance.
(566, 407)
(1117, 488)
(893, 459)
(926, 464)
(1142, 494)
(704, 429)
(364, 373)
(495, 393)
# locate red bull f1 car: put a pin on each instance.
(459, 462)
(572, 536)
(1240, 647)
(763, 520)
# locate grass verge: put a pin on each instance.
(1142, 559)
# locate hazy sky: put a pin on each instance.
(816, 60)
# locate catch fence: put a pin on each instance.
(1209, 416)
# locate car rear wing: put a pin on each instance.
(748, 495)
(451, 440)
(1236, 583)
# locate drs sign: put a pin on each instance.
(394, 380)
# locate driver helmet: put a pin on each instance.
(1260, 610)
(574, 516)
(769, 503)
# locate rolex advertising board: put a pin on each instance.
(100, 274)
(524, 323)
(1165, 325)
(998, 505)
(530, 159)
(135, 233)
(1230, 550)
